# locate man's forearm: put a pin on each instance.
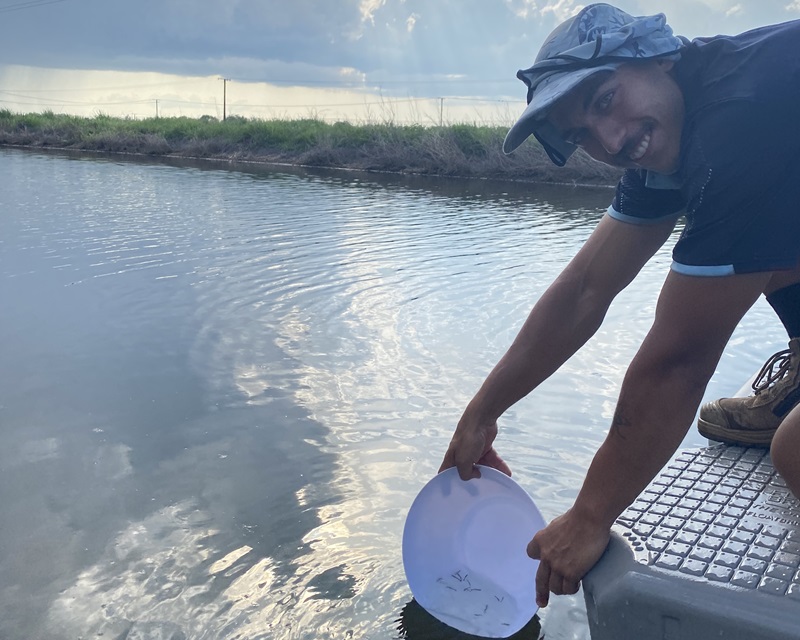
(563, 319)
(664, 386)
(569, 312)
(655, 409)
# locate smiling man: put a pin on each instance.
(708, 130)
(631, 117)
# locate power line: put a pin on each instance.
(247, 105)
(466, 99)
(293, 83)
(107, 88)
(30, 4)
(71, 102)
(368, 83)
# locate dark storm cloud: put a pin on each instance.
(401, 46)
(307, 41)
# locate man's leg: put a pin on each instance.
(754, 420)
(786, 303)
(785, 450)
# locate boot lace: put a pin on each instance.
(773, 370)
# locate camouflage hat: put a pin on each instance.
(599, 38)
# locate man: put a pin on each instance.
(708, 130)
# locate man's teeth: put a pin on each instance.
(639, 151)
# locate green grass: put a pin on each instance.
(282, 135)
(466, 150)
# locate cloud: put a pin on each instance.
(562, 9)
(368, 9)
(250, 69)
(408, 47)
(535, 9)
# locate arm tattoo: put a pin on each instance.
(620, 423)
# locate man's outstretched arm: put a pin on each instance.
(660, 394)
(565, 317)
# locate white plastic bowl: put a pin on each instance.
(464, 552)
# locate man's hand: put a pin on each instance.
(471, 445)
(566, 549)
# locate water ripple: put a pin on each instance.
(223, 389)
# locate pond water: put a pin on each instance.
(221, 387)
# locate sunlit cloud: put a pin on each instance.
(368, 8)
(521, 9)
(562, 9)
(349, 73)
(410, 49)
(345, 96)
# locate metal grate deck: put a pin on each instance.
(710, 549)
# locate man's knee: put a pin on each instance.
(785, 449)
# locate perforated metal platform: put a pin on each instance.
(711, 549)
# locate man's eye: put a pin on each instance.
(605, 101)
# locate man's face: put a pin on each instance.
(630, 118)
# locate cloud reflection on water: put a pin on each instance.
(236, 446)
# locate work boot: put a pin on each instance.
(755, 419)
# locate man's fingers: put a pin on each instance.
(543, 584)
(468, 471)
(533, 550)
(571, 587)
(492, 459)
(465, 465)
(449, 460)
(556, 583)
(471, 446)
(547, 580)
(455, 457)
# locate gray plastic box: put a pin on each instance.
(711, 549)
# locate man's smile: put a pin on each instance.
(641, 148)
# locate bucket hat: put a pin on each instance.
(598, 38)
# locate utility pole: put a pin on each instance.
(225, 82)
(156, 109)
(441, 112)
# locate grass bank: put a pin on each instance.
(460, 150)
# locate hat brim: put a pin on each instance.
(547, 94)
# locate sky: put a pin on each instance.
(401, 60)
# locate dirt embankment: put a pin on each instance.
(455, 151)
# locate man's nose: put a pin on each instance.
(611, 134)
